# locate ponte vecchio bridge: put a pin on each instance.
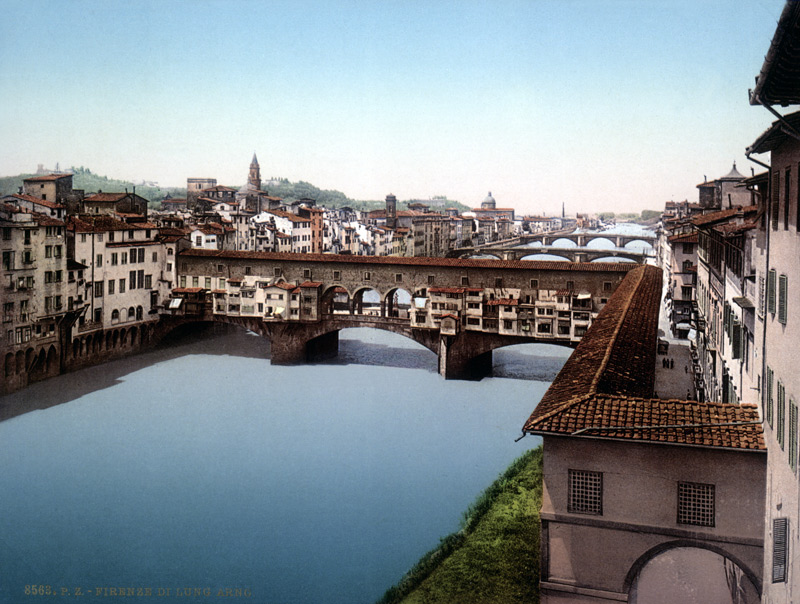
(461, 309)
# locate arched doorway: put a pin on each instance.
(690, 574)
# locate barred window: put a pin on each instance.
(696, 503)
(585, 492)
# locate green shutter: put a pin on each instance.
(768, 396)
(780, 542)
(737, 340)
(779, 431)
(783, 287)
(792, 436)
(771, 291)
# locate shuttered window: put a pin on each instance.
(779, 430)
(787, 187)
(783, 289)
(780, 547)
(771, 291)
(768, 397)
(775, 198)
(792, 436)
(736, 340)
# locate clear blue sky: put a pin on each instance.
(601, 104)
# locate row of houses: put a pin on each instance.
(734, 281)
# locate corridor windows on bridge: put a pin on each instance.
(464, 281)
(696, 504)
(780, 542)
(498, 282)
(431, 279)
(307, 274)
(570, 285)
(276, 271)
(337, 275)
(367, 275)
(607, 286)
(534, 284)
(585, 493)
(248, 270)
(398, 278)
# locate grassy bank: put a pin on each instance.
(494, 558)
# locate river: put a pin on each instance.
(200, 466)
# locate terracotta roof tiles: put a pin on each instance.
(605, 389)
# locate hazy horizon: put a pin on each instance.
(610, 105)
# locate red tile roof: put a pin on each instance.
(41, 202)
(310, 284)
(503, 302)
(446, 290)
(188, 290)
(656, 420)
(47, 177)
(106, 197)
(683, 238)
(704, 219)
(605, 389)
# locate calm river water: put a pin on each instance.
(201, 466)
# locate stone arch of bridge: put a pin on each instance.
(360, 306)
(550, 256)
(397, 303)
(648, 556)
(336, 300)
(644, 241)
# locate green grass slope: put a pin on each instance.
(494, 558)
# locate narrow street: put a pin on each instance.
(674, 374)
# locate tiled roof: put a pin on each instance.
(446, 290)
(100, 224)
(106, 197)
(683, 238)
(37, 200)
(283, 285)
(656, 420)
(188, 290)
(310, 284)
(503, 302)
(704, 219)
(542, 265)
(47, 178)
(605, 389)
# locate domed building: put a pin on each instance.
(489, 203)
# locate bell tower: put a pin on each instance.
(254, 177)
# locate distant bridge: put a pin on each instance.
(573, 254)
(580, 239)
(459, 309)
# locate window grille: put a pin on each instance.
(696, 503)
(585, 492)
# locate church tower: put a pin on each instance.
(391, 211)
(254, 178)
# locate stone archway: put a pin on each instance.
(691, 572)
(397, 303)
(367, 301)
